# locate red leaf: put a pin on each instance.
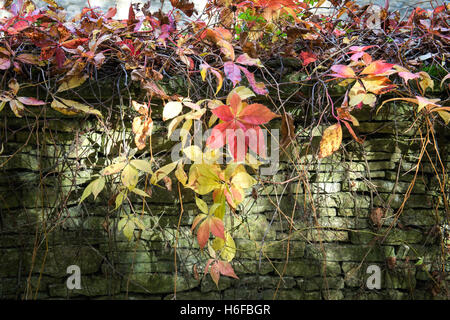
(60, 57)
(256, 114)
(74, 43)
(215, 273)
(111, 13)
(226, 269)
(217, 228)
(408, 75)
(21, 25)
(217, 138)
(223, 113)
(350, 129)
(203, 233)
(131, 15)
(240, 127)
(307, 57)
(256, 140)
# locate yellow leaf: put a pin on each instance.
(98, 186)
(203, 73)
(17, 107)
(171, 110)
(70, 107)
(184, 132)
(127, 226)
(226, 48)
(173, 125)
(142, 165)
(194, 153)
(331, 140)
(140, 192)
(227, 247)
(72, 82)
(243, 92)
(243, 180)
(425, 81)
(130, 177)
(120, 197)
(201, 205)
(114, 168)
(162, 172)
(180, 174)
(445, 116)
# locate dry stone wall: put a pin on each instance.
(323, 254)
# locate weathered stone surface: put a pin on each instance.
(324, 212)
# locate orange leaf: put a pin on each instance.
(331, 140)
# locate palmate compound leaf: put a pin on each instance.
(218, 267)
(127, 225)
(226, 247)
(208, 224)
(331, 140)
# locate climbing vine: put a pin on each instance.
(229, 51)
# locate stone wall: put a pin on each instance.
(323, 254)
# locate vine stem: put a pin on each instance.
(176, 244)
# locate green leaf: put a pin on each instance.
(94, 187)
(127, 226)
(120, 197)
(419, 262)
(87, 191)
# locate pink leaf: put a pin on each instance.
(406, 75)
(226, 269)
(245, 59)
(30, 101)
(258, 87)
(232, 72)
(5, 64)
(342, 71)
